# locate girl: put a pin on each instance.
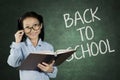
(30, 38)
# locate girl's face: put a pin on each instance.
(32, 27)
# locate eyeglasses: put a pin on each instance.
(35, 27)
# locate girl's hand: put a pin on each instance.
(46, 67)
(18, 36)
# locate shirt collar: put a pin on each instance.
(28, 42)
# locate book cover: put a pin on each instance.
(33, 59)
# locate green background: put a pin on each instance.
(100, 67)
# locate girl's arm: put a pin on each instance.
(15, 57)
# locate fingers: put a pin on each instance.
(42, 67)
(44, 63)
(46, 67)
(18, 36)
(52, 63)
(20, 32)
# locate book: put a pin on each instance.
(33, 59)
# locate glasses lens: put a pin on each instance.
(36, 26)
(27, 30)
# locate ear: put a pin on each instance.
(41, 26)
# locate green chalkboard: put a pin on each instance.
(90, 26)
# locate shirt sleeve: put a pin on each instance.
(15, 57)
(54, 73)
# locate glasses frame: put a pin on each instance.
(32, 27)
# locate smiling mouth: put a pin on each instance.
(33, 34)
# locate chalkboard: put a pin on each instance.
(89, 26)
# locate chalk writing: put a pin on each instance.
(87, 33)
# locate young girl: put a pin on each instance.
(30, 38)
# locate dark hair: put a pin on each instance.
(34, 15)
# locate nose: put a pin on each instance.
(32, 30)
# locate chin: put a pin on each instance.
(34, 37)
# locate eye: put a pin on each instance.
(27, 27)
(35, 24)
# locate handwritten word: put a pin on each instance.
(82, 18)
(86, 30)
(102, 47)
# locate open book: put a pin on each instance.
(33, 59)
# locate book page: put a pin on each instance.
(63, 51)
(45, 52)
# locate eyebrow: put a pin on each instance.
(29, 25)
